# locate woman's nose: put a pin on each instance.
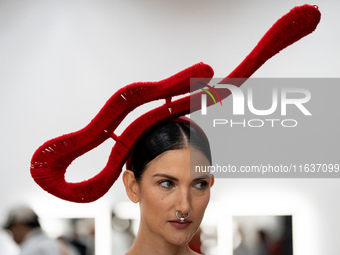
(183, 201)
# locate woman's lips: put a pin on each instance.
(180, 225)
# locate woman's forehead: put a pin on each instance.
(177, 163)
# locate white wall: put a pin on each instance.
(61, 60)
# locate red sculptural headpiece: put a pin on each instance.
(50, 161)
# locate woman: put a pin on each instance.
(172, 201)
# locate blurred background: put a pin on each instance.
(61, 60)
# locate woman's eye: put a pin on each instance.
(166, 184)
(201, 185)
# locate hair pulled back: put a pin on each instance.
(165, 137)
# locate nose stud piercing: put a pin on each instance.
(182, 219)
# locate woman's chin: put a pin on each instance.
(180, 241)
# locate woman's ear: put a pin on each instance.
(212, 180)
(131, 186)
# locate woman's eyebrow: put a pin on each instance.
(207, 176)
(165, 176)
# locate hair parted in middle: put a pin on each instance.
(165, 137)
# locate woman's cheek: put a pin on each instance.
(158, 198)
(202, 201)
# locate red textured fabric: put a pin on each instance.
(50, 161)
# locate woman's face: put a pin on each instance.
(166, 187)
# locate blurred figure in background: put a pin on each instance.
(262, 247)
(122, 234)
(7, 245)
(240, 247)
(23, 224)
(284, 245)
(82, 236)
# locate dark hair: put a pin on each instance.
(165, 137)
(22, 215)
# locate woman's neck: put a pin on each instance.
(150, 243)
